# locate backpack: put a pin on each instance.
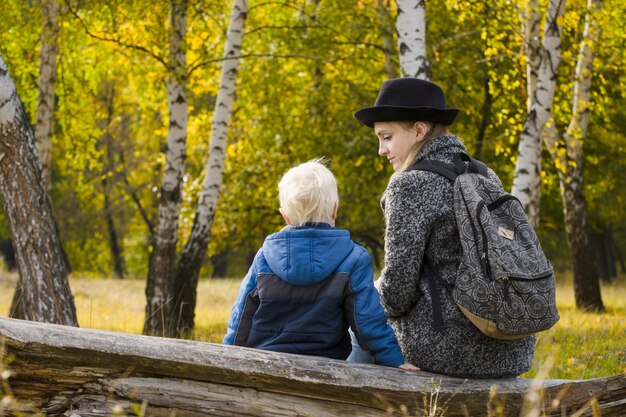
(504, 284)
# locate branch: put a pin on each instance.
(117, 41)
(288, 56)
(258, 29)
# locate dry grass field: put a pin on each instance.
(582, 345)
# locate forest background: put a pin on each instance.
(305, 67)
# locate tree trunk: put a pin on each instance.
(317, 106)
(160, 285)
(411, 28)
(604, 253)
(114, 244)
(196, 247)
(130, 189)
(527, 178)
(86, 372)
(107, 97)
(529, 17)
(586, 279)
(486, 117)
(390, 66)
(586, 282)
(47, 79)
(43, 291)
(569, 166)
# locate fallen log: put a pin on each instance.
(67, 371)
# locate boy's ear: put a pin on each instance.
(282, 213)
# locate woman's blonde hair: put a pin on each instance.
(434, 130)
(308, 193)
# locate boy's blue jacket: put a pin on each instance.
(306, 285)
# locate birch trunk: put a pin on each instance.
(411, 28)
(160, 285)
(569, 165)
(532, 47)
(527, 178)
(43, 292)
(196, 247)
(390, 66)
(47, 80)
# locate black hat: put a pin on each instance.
(408, 99)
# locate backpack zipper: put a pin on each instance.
(494, 205)
(484, 259)
(510, 278)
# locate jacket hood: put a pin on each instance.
(307, 254)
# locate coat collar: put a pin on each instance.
(440, 146)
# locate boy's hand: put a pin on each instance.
(408, 367)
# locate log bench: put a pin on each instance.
(68, 371)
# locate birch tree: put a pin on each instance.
(527, 177)
(159, 288)
(196, 247)
(567, 153)
(529, 17)
(43, 292)
(411, 28)
(47, 80)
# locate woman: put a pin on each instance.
(411, 122)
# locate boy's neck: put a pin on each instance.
(320, 225)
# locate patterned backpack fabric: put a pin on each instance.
(504, 285)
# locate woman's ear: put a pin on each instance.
(421, 130)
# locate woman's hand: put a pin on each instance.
(408, 367)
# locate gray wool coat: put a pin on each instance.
(420, 224)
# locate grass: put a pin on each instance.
(581, 345)
(584, 345)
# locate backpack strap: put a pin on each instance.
(437, 167)
(451, 171)
(433, 277)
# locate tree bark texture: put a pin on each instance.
(385, 23)
(196, 247)
(569, 166)
(43, 292)
(411, 28)
(527, 177)
(94, 373)
(47, 79)
(160, 285)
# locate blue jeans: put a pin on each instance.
(359, 355)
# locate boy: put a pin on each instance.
(310, 281)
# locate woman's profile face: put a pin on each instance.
(394, 142)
